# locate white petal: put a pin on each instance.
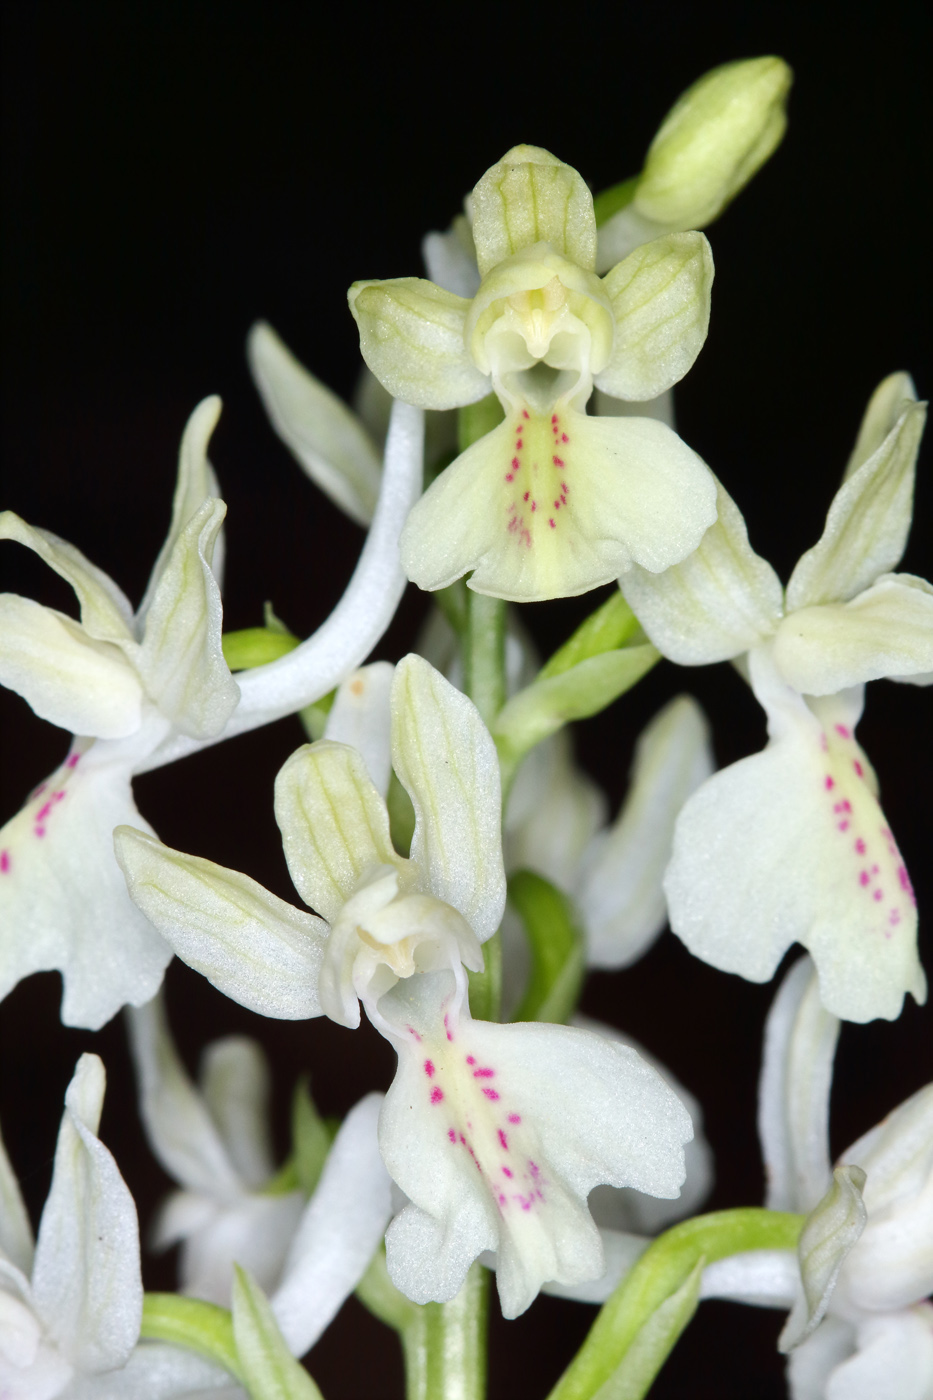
(446, 759)
(105, 611)
(793, 1092)
(884, 408)
(329, 441)
(63, 900)
(334, 824)
(554, 810)
(867, 523)
(619, 890)
(156, 1371)
(339, 1232)
(86, 1281)
(894, 1359)
(791, 845)
(528, 197)
(763, 1278)
(810, 1366)
(412, 338)
(720, 601)
(359, 619)
(828, 1235)
(360, 716)
(235, 1082)
(497, 1134)
(179, 1127)
(195, 483)
(885, 631)
(536, 523)
(254, 1232)
(253, 947)
(620, 1252)
(16, 1243)
(450, 259)
(63, 674)
(892, 1265)
(181, 659)
(660, 298)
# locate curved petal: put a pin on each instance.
(619, 887)
(620, 1251)
(450, 258)
(63, 674)
(412, 338)
(553, 504)
(86, 1280)
(791, 845)
(181, 659)
(553, 812)
(105, 611)
(361, 717)
(253, 1231)
(157, 1371)
(528, 197)
(763, 1278)
(252, 946)
(327, 439)
(720, 601)
(497, 1134)
(884, 408)
(660, 297)
(236, 1085)
(867, 523)
(829, 1233)
(793, 1092)
(334, 824)
(445, 758)
(63, 900)
(195, 483)
(359, 619)
(338, 1234)
(885, 631)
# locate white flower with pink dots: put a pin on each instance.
(791, 844)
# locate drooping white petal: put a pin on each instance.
(894, 1359)
(884, 409)
(791, 845)
(86, 1279)
(720, 601)
(552, 504)
(763, 1278)
(63, 674)
(445, 758)
(412, 338)
(339, 1232)
(359, 619)
(892, 1264)
(16, 1243)
(829, 1233)
(528, 197)
(793, 1092)
(450, 259)
(334, 824)
(181, 658)
(253, 947)
(105, 611)
(554, 810)
(179, 1127)
(236, 1086)
(194, 484)
(328, 440)
(497, 1134)
(885, 631)
(63, 900)
(867, 522)
(254, 1231)
(361, 717)
(660, 297)
(619, 890)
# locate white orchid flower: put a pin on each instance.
(70, 1304)
(140, 690)
(552, 502)
(861, 1324)
(495, 1133)
(215, 1141)
(791, 845)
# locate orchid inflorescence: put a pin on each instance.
(455, 870)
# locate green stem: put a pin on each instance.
(659, 1273)
(484, 654)
(445, 1344)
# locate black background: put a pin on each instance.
(171, 172)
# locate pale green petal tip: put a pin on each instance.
(529, 197)
(714, 139)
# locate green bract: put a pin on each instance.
(551, 502)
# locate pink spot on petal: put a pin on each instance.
(471, 1059)
(524, 413)
(860, 846)
(864, 878)
(436, 1094)
(429, 1068)
(830, 782)
(514, 1118)
(43, 812)
(564, 437)
(4, 862)
(40, 830)
(894, 917)
(509, 476)
(516, 463)
(878, 895)
(451, 1134)
(842, 731)
(447, 1029)
(484, 1073)
(490, 1093)
(551, 523)
(558, 461)
(502, 1200)
(526, 495)
(73, 762)
(506, 1171)
(859, 770)
(503, 1141)
(842, 826)
(554, 418)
